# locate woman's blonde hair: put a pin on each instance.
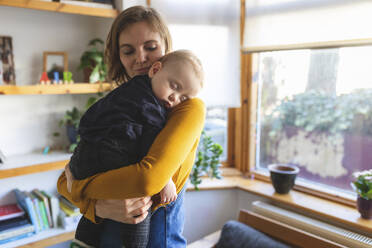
(116, 71)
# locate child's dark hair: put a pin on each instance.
(116, 71)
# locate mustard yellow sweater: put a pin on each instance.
(171, 156)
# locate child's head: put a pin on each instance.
(176, 77)
(138, 37)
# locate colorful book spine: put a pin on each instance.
(21, 236)
(37, 210)
(41, 208)
(54, 207)
(45, 202)
(10, 211)
(27, 205)
(14, 222)
(16, 231)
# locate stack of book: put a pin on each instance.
(42, 208)
(14, 223)
(69, 215)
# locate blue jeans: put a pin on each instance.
(167, 223)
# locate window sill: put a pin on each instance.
(336, 212)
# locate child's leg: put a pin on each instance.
(136, 236)
(111, 235)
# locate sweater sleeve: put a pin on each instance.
(147, 177)
(87, 206)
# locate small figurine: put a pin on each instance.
(67, 77)
(44, 78)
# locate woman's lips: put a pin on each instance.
(142, 70)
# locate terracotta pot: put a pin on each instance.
(364, 207)
(283, 177)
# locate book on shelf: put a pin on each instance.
(26, 203)
(91, 3)
(13, 222)
(41, 209)
(67, 221)
(54, 207)
(68, 207)
(45, 202)
(15, 233)
(9, 211)
(36, 205)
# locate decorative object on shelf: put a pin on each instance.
(92, 62)
(67, 77)
(207, 161)
(44, 78)
(283, 177)
(363, 187)
(6, 61)
(54, 64)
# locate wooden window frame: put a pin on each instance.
(246, 115)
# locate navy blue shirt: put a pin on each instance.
(118, 129)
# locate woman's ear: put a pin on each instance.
(155, 68)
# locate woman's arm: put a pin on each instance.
(130, 211)
(169, 150)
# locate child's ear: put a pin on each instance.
(155, 68)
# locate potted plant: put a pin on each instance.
(92, 62)
(363, 186)
(207, 162)
(71, 120)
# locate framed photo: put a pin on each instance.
(55, 62)
(7, 71)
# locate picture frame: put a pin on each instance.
(55, 62)
(7, 69)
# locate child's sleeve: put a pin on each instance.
(146, 178)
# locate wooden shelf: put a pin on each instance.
(61, 7)
(55, 89)
(33, 163)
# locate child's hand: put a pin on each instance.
(168, 193)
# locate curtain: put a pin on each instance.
(210, 29)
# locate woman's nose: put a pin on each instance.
(141, 57)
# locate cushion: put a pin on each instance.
(238, 235)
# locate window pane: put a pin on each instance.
(216, 127)
(315, 111)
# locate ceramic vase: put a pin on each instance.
(364, 207)
(283, 177)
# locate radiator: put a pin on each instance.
(322, 229)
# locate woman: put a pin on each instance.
(138, 38)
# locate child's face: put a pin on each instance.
(174, 82)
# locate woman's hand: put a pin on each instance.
(130, 211)
(69, 177)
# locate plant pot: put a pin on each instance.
(283, 177)
(72, 133)
(364, 207)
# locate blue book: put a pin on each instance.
(14, 238)
(37, 211)
(25, 202)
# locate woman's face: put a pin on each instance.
(139, 47)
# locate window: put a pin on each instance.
(315, 111)
(312, 105)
